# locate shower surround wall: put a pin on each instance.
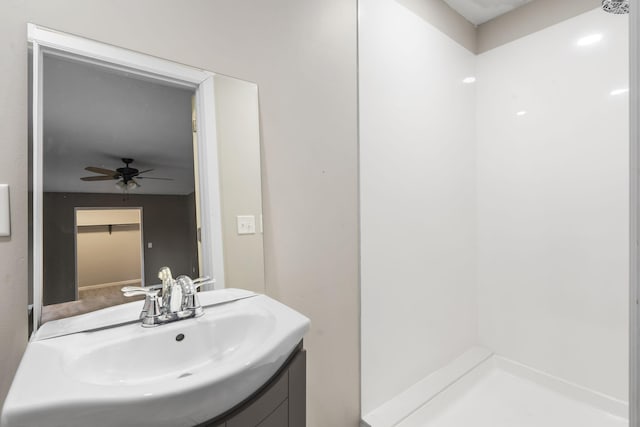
(484, 227)
(417, 172)
(553, 190)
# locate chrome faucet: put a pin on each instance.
(171, 293)
(174, 299)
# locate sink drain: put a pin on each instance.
(179, 337)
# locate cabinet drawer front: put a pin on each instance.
(264, 404)
(278, 418)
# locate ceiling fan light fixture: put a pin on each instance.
(120, 185)
(132, 185)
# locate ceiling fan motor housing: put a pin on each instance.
(127, 173)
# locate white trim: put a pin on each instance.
(143, 279)
(196, 171)
(86, 50)
(416, 404)
(591, 397)
(210, 198)
(462, 375)
(456, 390)
(420, 394)
(634, 211)
(76, 277)
(37, 184)
(56, 43)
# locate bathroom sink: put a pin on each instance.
(179, 374)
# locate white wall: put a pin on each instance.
(238, 132)
(417, 175)
(553, 202)
(549, 286)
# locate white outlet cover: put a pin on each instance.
(5, 211)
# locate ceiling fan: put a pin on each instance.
(126, 175)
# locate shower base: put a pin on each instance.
(481, 389)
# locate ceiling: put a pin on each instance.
(94, 116)
(480, 11)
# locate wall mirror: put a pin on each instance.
(137, 163)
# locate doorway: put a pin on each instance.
(109, 252)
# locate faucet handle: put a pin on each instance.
(202, 281)
(189, 294)
(136, 292)
(206, 281)
(135, 288)
(186, 284)
(142, 288)
(151, 308)
(190, 286)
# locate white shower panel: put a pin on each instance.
(417, 175)
(553, 201)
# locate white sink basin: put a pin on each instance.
(179, 374)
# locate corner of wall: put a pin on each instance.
(527, 19)
(444, 18)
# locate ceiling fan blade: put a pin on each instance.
(141, 172)
(150, 177)
(98, 178)
(101, 170)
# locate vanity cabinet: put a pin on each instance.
(281, 402)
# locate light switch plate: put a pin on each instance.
(246, 224)
(5, 211)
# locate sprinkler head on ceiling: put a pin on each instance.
(618, 7)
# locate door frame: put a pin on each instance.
(634, 211)
(47, 41)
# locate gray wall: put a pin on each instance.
(531, 17)
(444, 18)
(13, 170)
(527, 19)
(166, 222)
(302, 55)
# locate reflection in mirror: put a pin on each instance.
(120, 184)
(112, 141)
(114, 235)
